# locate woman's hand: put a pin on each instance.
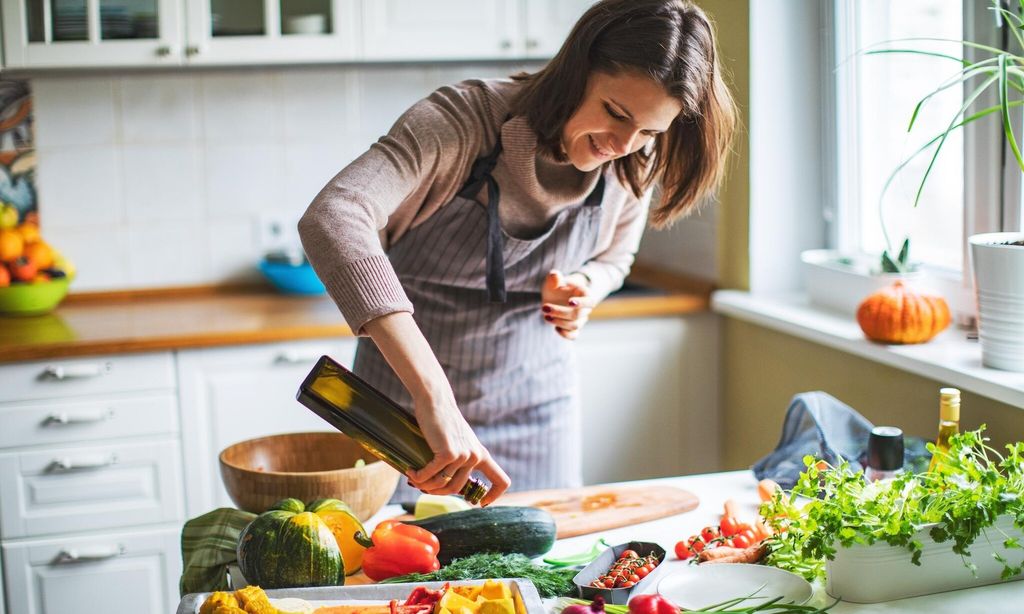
(457, 451)
(566, 303)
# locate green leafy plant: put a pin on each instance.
(1001, 69)
(959, 503)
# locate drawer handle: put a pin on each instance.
(62, 373)
(294, 357)
(74, 555)
(64, 418)
(60, 465)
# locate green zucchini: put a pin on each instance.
(500, 529)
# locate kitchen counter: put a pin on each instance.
(713, 489)
(153, 320)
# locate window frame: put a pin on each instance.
(991, 174)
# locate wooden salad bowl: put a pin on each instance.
(260, 472)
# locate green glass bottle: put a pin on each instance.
(382, 426)
(949, 424)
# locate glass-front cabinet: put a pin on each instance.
(83, 33)
(271, 31)
(72, 33)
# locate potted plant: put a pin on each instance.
(997, 258)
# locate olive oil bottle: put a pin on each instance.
(362, 412)
(949, 424)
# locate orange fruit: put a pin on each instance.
(11, 244)
(23, 269)
(5, 276)
(29, 232)
(40, 253)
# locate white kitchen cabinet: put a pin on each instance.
(90, 458)
(115, 573)
(548, 22)
(271, 31)
(649, 397)
(237, 393)
(441, 30)
(89, 33)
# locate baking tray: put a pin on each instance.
(520, 587)
(601, 565)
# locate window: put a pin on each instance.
(876, 95)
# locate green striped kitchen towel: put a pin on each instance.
(208, 545)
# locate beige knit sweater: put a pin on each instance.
(420, 165)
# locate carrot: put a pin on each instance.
(766, 489)
(731, 509)
(752, 554)
(761, 529)
(719, 552)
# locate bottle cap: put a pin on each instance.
(949, 404)
(885, 448)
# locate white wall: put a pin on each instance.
(788, 165)
(161, 179)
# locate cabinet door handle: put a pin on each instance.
(67, 372)
(293, 357)
(532, 43)
(192, 50)
(75, 555)
(163, 51)
(61, 465)
(62, 418)
(506, 44)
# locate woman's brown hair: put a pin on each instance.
(670, 41)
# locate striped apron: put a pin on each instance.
(476, 293)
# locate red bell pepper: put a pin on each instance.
(397, 549)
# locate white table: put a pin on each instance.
(713, 489)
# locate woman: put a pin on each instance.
(506, 210)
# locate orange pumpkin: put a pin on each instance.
(897, 314)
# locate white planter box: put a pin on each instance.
(880, 572)
(840, 283)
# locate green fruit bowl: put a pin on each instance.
(29, 299)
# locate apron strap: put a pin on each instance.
(479, 174)
(495, 245)
(597, 194)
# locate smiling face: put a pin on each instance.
(619, 114)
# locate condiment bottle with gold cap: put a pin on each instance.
(949, 424)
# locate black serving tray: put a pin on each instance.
(601, 565)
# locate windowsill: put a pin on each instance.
(950, 357)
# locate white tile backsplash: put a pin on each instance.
(80, 186)
(74, 111)
(167, 254)
(319, 104)
(99, 254)
(159, 108)
(241, 107)
(244, 179)
(160, 183)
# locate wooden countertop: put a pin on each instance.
(169, 319)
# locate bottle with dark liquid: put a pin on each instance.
(363, 413)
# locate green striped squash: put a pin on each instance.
(287, 546)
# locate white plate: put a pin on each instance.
(698, 586)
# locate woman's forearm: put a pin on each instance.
(406, 350)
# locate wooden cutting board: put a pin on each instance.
(591, 509)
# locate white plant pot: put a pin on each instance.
(999, 293)
(841, 283)
(880, 572)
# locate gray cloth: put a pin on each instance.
(820, 425)
(824, 427)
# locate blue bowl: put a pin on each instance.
(292, 279)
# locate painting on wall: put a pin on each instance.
(17, 152)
